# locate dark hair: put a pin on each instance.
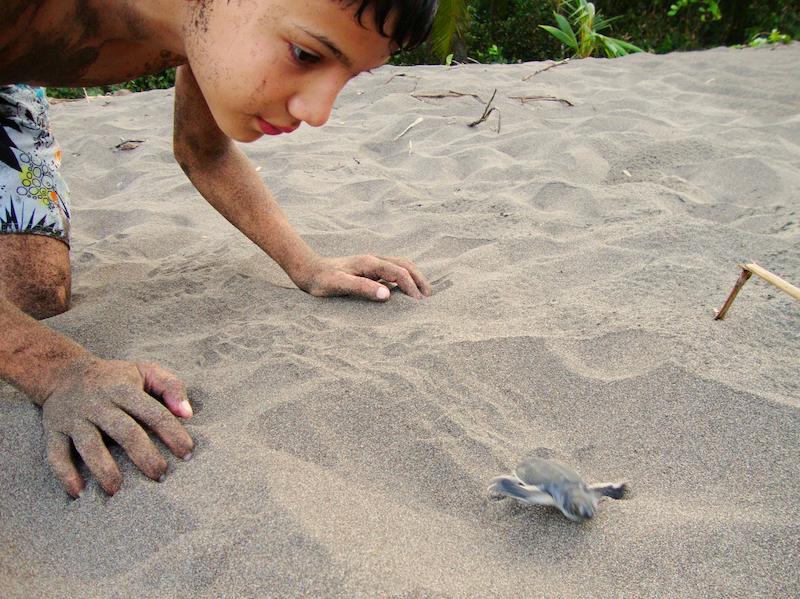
(413, 19)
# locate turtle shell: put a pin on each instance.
(547, 474)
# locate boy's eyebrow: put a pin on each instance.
(340, 56)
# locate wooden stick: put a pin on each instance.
(732, 295)
(773, 278)
(754, 269)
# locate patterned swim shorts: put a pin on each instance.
(33, 196)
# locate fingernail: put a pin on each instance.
(188, 456)
(187, 408)
(382, 293)
(162, 478)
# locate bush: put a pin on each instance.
(512, 26)
(649, 25)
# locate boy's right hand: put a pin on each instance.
(99, 396)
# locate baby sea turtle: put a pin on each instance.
(541, 481)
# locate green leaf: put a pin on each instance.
(605, 23)
(449, 23)
(615, 47)
(561, 36)
(565, 27)
(630, 48)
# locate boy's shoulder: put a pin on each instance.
(13, 9)
(78, 43)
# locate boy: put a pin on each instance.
(246, 68)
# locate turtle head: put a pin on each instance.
(578, 503)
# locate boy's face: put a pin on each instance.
(269, 65)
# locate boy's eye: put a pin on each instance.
(304, 57)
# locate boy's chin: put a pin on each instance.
(243, 135)
(247, 136)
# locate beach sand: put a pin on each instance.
(343, 447)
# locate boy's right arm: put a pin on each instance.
(82, 396)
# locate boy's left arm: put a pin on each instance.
(227, 179)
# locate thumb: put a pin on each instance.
(165, 385)
(363, 287)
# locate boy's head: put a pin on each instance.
(266, 66)
(407, 22)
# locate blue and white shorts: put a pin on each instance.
(33, 196)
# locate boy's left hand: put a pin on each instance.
(359, 275)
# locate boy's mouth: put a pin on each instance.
(270, 129)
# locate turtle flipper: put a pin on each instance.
(613, 490)
(510, 486)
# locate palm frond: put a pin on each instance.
(448, 24)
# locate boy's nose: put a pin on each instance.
(313, 104)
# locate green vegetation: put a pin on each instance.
(765, 39)
(163, 80)
(707, 9)
(511, 30)
(586, 39)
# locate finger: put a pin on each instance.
(421, 282)
(159, 419)
(59, 456)
(132, 438)
(393, 273)
(90, 446)
(162, 383)
(346, 284)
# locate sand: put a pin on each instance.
(344, 447)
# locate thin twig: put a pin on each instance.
(524, 99)
(407, 129)
(448, 94)
(390, 79)
(547, 68)
(486, 111)
(414, 77)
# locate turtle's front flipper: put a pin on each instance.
(613, 490)
(510, 486)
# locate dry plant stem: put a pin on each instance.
(755, 269)
(773, 279)
(449, 94)
(409, 128)
(552, 66)
(486, 112)
(390, 79)
(732, 295)
(524, 99)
